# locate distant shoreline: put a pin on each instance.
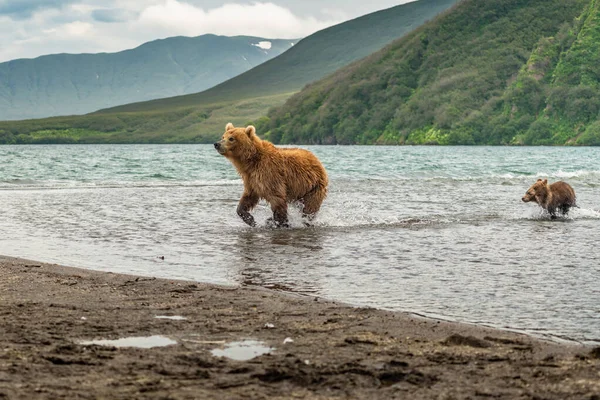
(514, 146)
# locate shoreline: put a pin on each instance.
(336, 350)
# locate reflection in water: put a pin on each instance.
(275, 258)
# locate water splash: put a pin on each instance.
(584, 213)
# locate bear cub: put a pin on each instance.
(277, 175)
(558, 196)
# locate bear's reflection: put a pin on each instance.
(283, 259)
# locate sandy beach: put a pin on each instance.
(318, 349)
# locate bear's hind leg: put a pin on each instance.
(312, 203)
(280, 216)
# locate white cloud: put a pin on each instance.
(48, 32)
(77, 28)
(334, 13)
(91, 26)
(257, 19)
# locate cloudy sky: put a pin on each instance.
(30, 28)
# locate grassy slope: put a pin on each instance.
(443, 83)
(201, 117)
(62, 84)
(179, 125)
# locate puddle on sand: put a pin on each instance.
(242, 351)
(171, 317)
(142, 342)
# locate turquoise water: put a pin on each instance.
(439, 231)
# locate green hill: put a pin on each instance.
(62, 84)
(201, 117)
(486, 72)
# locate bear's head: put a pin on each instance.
(238, 143)
(537, 192)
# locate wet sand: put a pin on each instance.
(337, 351)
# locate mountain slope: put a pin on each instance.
(432, 85)
(63, 84)
(313, 57)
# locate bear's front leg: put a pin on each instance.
(247, 203)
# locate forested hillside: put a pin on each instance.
(485, 72)
(556, 98)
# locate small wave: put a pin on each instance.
(408, 223)
(334, 219)
(27, 184)
(585, 213)
(19, 182)
(161, 176)
(506, 176)
(512, 176)
(539, 214)
(560, 174)
(470, 178)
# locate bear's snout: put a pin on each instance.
(221, 148)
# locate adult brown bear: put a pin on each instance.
(278, 175)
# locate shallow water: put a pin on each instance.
(140, 342)
(436, 230)
(171, 317)
(243, 350)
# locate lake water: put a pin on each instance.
(439, 231)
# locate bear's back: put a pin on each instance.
(562, 193)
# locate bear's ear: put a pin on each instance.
(250, 130)
(545, 182)
(539, 180)
(228, 126)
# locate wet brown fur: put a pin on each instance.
(558, 196)
(277, 175)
